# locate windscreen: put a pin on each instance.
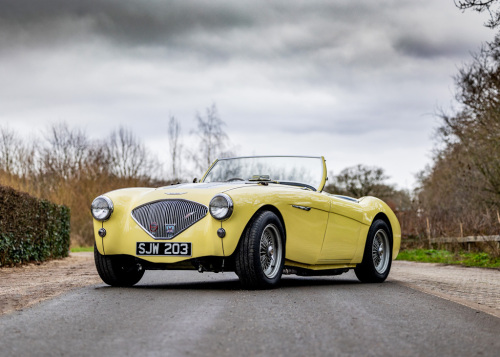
(292, 169)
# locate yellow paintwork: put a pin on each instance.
(332, 234)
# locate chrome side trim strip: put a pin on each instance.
(302, 207)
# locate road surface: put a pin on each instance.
(190, 314)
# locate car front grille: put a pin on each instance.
(167, 218)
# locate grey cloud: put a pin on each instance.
(419, 45)
(122, 22)
(155, 22)
(314, 34)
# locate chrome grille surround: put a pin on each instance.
(181, 214)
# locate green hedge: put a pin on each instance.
(31, 229)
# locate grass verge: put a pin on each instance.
(82, 249)
(481, 259)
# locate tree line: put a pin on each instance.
(462, 187)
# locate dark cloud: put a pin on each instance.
(415, 45)
(318, 35)
(123, 21)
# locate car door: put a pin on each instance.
(342, 231)
(305, 216)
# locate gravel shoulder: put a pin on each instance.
(24, 286)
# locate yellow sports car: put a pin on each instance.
(260, 217)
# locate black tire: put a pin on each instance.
(377, 257)
(260, 256)
(117, 270)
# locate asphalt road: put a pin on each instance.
(192, 314)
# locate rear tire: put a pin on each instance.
(260, 256)
(377, 257)
(116, 270)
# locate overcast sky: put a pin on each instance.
(355, 81)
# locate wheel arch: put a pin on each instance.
(273, 209)
(374, 209)
(267, 207)
(394, 231)
(382, 216)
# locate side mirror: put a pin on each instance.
(195, 180)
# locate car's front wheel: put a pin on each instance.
(117, 270)
(377, 257)
(261, 253)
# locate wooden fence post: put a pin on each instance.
(498, 216)
(428, 234)
(462, 235)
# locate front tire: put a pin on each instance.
(377, 257)
(117, 270)
(261, 253)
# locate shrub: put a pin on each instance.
(31, 229)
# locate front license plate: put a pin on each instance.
(175, 249)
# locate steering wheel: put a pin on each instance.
(235, 179)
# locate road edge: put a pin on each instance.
(475, 306)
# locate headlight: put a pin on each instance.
(221, 206)
(101, 208)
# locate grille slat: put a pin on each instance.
(180, 213)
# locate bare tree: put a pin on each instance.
(128, 156)
(98, 165)
(490, 6)
(9, 145)
(175, 145)
(65, 151)
(213, 140)
(28, 160)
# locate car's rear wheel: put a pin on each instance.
(261, 253)
(377, 257)
(117, 270)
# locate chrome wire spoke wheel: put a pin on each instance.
(377, 255)
(270, 251)
(260, 257)
(381, 251)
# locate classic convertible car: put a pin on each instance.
(260, 217)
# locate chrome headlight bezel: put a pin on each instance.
(101, 208)
(221, 207)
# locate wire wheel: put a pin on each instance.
(381, 251)
(260, 256)
(270, 251)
